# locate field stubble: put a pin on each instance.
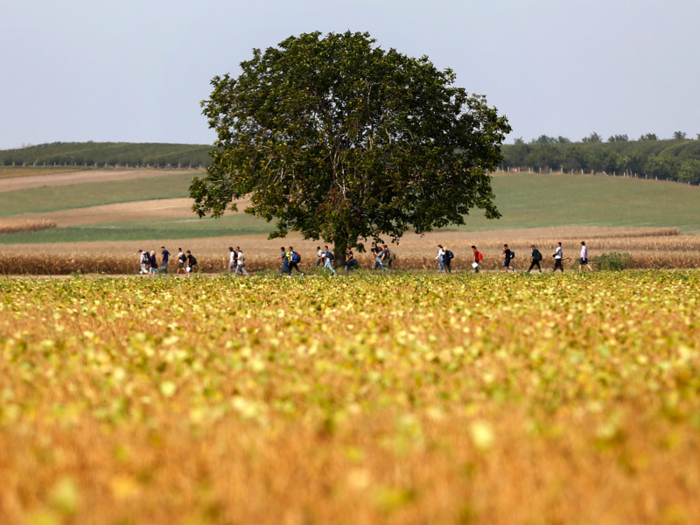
(655, 248)
(558, 399)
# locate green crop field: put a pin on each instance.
(529, 200)
(53, 198)
(526, 200)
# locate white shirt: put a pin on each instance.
(240, 259)
(584, 252)
(441, 252)
(232, 257)
(557, 252)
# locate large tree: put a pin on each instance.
(340, 140)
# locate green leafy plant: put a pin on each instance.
(612, 261)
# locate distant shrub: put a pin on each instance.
(612, 261)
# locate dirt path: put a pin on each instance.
(79, 177)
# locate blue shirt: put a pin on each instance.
(166, 255)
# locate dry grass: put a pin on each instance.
(401, 400)
(649, 248)
(25, 225)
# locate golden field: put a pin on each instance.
(499, 399)
(656, 248)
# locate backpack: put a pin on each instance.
(193, 261)
(182, 258)
(296, 258)
(449, 255)
(536, 255)
(512, 254)
(479, 256)
(330, 255)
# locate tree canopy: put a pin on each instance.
(340, 140)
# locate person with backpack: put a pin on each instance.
(181, 261)
(440, 258)
(388, 257)
(558, 258)
(293, 261)
(232, 259)
(285, 262)
(536, 257)
(584, 258)
(509, 255)
(165, 255)
(350, 261)
(143, 261)
(240, 263)
(477, 259)
(447, 260)
(153, 261)
(191, 262)
(328, 260)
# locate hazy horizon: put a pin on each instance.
(128, 72)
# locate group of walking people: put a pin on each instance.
(148, 262)
(445, 256)
(383, 257)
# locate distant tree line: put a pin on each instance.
(107, 154)
(677, 159)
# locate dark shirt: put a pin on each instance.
(166, 256)
(509, 255)
(191, 261)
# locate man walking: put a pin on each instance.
(328, 260)
(350, 261)
(191, 262)
(447, 260)
(509, 256)
(232, 259)
(320, 254)
(536, 257)
(584, 258)
(181, 261)
(477, 259)
(165, 255)
(558, 258)
(240, 263)
(285, 262)
(440, 258)
(294, 259)
(143, 261)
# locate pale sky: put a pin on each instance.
(136, 70)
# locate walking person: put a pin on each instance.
(191, 262)
(154, 263)
(378, 258)
(285, 262)
(447, 260)
(319, 254)
(181, 261)
(477, 259)
(294, 260)
(440, 258)
(375, 253)
(535, 257)
(232, 259)
(387, 257)
(558, 258)
(143, 262)
(328, 258)
(164, 257)
(350, 261)
(584, 258)
(509, 255)
(240, 263)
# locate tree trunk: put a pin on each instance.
(340, 252)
